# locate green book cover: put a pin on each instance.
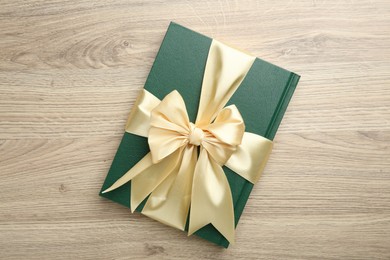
(262, 99)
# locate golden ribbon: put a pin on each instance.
(176, 179)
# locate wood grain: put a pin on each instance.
(70, 72)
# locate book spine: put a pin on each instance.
(282, 106)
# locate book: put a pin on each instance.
(262, 99)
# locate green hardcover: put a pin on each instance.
(262, 99)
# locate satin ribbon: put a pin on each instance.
(176, 178)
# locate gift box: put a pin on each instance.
(199, 135)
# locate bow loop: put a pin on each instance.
(224, 134)
(228, 126)
(169, 126)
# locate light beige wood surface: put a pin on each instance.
(70, 72)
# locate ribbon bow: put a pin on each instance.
(173, 175)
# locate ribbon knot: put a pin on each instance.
(196, 135)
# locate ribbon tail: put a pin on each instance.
(211, 200)
(146, 176)
(143, 164)
(169, 203)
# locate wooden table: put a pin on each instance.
(70, 72)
